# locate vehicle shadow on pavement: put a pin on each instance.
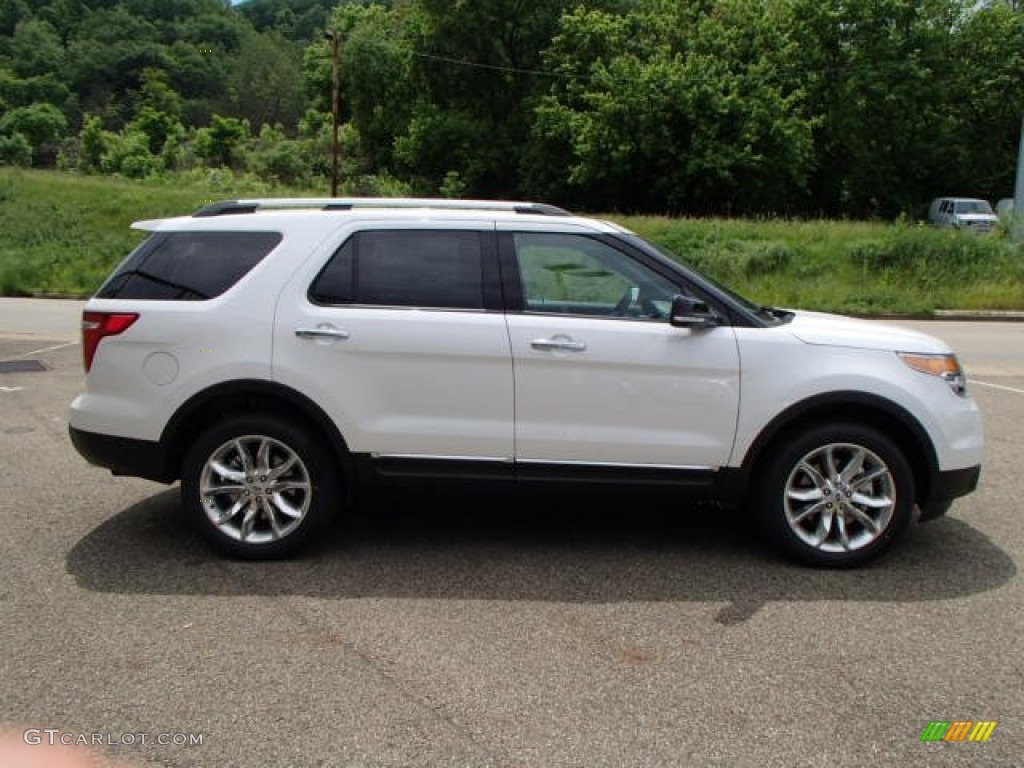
(579, 549)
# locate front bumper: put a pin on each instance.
(947, 486)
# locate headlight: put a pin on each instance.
(946, 367)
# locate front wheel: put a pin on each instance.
(837, 495)
(259, 487)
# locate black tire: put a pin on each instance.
(259, 515)
(867, 499)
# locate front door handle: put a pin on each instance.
(559, 342)
(321, 332)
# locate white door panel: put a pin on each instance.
(405, 381)
(397, 346)
(637, 393)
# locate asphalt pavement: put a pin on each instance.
(436, 631)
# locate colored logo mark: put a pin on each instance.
(958, 730)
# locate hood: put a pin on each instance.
(976, 217)
(839, 331)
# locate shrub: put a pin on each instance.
(928, 254)
(767, 258)
(41, 124)
(375, 185)
(284, 161)
(452, 186)
(221, 142)
(128, 154)
(94, 142)
(15, 150)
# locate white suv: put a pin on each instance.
(275, 354)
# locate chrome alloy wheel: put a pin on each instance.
(839, 498)
(255, 489)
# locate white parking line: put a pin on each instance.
(997, 386)
(44, 349)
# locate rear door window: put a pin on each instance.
(405, 268)
(188, 266)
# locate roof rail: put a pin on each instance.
(223, 207)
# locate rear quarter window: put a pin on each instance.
(187, 266)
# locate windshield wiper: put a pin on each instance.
(183, 289)
(782, 315)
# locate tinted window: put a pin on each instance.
(405, 268)
(583, 276)
(334, 284)
(188, 266)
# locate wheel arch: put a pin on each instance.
(887, 417)
(232, 398)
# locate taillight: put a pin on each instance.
(96, 325)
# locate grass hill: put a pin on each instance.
(63, 233)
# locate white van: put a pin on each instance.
(966, 213)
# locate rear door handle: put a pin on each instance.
(559, 342)
(321, 333)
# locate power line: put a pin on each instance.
(846, 68)
(463, 62)
(494, 67)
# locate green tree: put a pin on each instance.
(987, 98)
(107, 57)
(671, 107)
(94, 143)
(156, 93)
(41, 124)
(199, 77)
(173, 10)
(298, 20)
(221, 143)
(315, 134)
(156, 126)
(220, 34)
(15, 150)
(20, 92)
(279, 158)
(877, 75)
(173, 154)
(474, 68)
(11, 13)
(64, 15)
(36, 49)
(266, 83)
(128, 154)
(377, 93)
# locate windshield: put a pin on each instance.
(973, 206)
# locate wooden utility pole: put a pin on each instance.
(335, 99)
(1017, 220)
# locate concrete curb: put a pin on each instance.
(961, 315)
(1011, 315)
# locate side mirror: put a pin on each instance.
(688, 312)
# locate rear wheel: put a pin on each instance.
(259, 487)
(837, 495)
